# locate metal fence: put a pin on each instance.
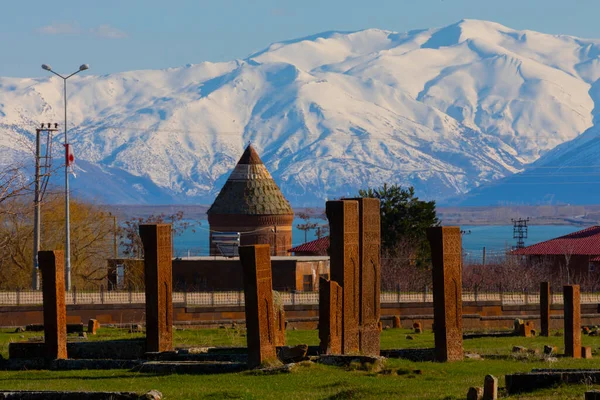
(30, 297)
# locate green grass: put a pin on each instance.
(400, 380)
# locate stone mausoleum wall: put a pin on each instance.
(476, 315)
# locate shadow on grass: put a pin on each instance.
(354, 393)
(189, 373)
(333, 385)
(58, 378)
(228, 395)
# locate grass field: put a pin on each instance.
(401, 379)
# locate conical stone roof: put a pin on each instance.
(250, 190)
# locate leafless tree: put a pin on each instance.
(400, 270)
(567, 251)
(91, 240)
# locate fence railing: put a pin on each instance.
(30, 297)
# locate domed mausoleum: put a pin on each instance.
(251, 204)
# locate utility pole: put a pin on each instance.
(520, 231)
(483, 259)
(68, 160)
(39, 190)
(115, 247)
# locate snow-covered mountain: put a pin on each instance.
(445, 110)
(568, 174)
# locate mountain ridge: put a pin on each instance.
(445, 110)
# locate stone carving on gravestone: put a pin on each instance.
(52, 266)
(158, 278)
(446, 256)
(344, 266)
(279, 314)
(572, 320)
(369, 275)
(258, 292)
(330, 317)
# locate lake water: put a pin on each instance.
(197, 243)
(495, 238)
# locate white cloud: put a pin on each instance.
(109, 32)
(60, 29)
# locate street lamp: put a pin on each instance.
(83, 67)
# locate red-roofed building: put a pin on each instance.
(579, 251)
(316, 247)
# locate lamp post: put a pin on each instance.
(83, 67)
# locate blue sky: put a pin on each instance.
(126, 35)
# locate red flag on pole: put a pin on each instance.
(69, 156)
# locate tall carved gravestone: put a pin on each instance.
(572, 320)
(158, 277)
(52, 265)
(344, 266)
(446, 252)
(369, 274)
(330, 317)
(545, 308)
(258, 292)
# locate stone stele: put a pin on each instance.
(490, 388)
(572, 320)
(158, 276)
(545, 308)
(330, 317)
(446, 257)
(52, 266)
(369, 213)
(258, 292)
(93, 326)
(345, 261)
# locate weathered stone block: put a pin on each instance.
(586, 352)
(289, 354)
(369, 279)
(371, 363)
(475, 393)
(343, 219)
(418, 327)
(490, 388)
(158, 276)
(258, 292)
(572, 320)
(93, 326)
(446, 257)
(545, 308)
(330, 317)
(52, 266)
(526, 329)
(592, 395)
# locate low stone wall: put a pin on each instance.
(65, 395)
(130, 349)
(476, 315)
(541, 379)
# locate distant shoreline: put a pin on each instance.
(493, 215)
